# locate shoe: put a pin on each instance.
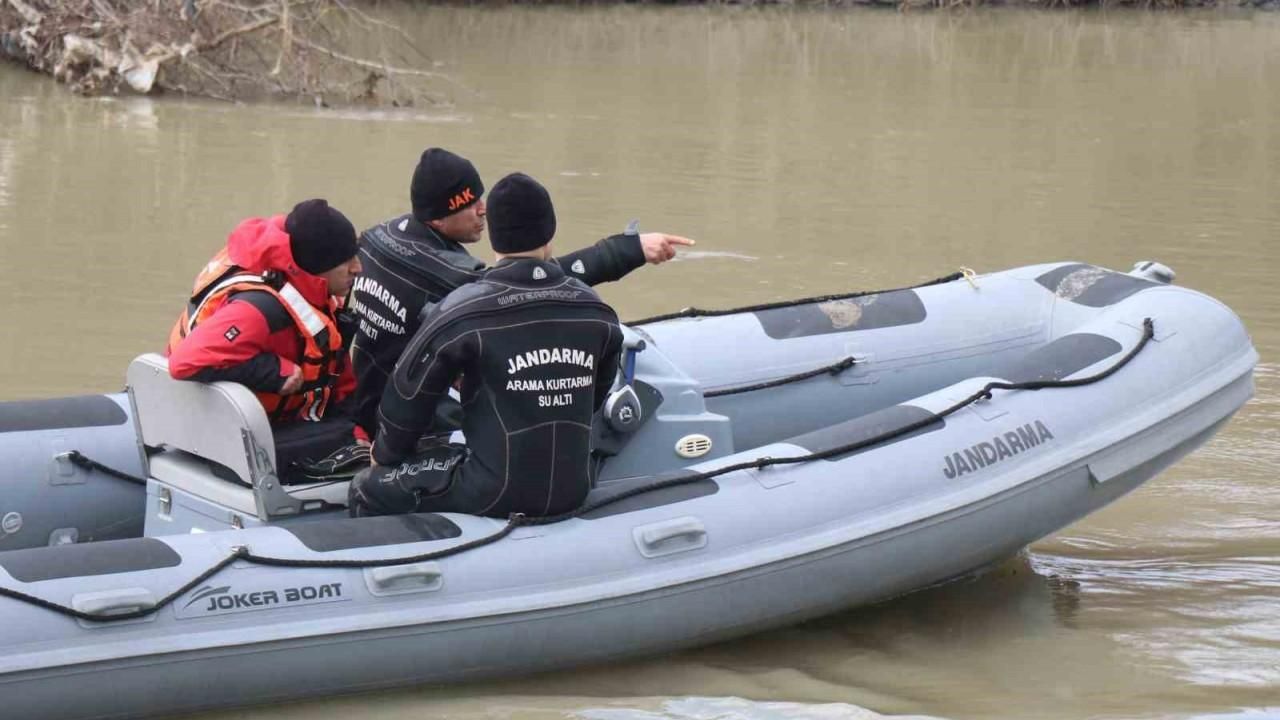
(341, 464)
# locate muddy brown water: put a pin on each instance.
(808, 151)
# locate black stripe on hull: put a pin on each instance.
(96, 558)
(645, 501)
(349, 533)
(1065, 356)
(60, 413)
(869, 426)
(1091, 286)
(869, 312)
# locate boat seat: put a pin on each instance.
(191, 428)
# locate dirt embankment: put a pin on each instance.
(245, 49)
(228, 49)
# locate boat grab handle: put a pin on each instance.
(107, 603)
(670, 536)
(395, 579)
(115, 602)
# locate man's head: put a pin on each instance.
(521, 217)
(446, 195)
(323, 243)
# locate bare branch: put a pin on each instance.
(28, 13)
(370, 21)
(236, 32)
(361, 62)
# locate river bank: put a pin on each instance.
(227, 50)
(237, 51)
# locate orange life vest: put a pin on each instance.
(320, 345)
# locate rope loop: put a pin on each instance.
(832, 369)
(77, 458)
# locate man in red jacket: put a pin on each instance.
(266, 312)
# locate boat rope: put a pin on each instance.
(77, 458)
(517, 520)
(833, 369)
(699, 312)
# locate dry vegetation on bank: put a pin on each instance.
(245, 49)
(228, 49)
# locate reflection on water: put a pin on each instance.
(6, 169)
(809, 152)
(1257, 714)
(1209, 619)
(687, 255)
(702, 708)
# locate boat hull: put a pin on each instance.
(750, 549)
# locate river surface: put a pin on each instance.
(808, 152)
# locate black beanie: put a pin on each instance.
(320, 237)
(520, 216)
(443, 184)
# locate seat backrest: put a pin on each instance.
(223, 422)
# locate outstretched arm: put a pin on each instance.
(613, 257)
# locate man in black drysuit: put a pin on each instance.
(537, 352)
(414, 260)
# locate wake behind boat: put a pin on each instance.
(765, 466)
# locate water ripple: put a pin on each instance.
(734, 708)
(1213, 615)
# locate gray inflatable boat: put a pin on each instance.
(757, 468)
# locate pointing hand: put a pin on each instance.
(661, 247)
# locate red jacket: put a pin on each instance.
(252, 339)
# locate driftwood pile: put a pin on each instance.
(227, 49)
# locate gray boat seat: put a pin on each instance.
(188, 425)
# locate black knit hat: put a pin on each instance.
(443, 184)
(521, 217)
(320, 237)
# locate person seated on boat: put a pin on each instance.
(414, 260)
(536, 350)
(265, 312)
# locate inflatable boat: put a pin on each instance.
(755, 468)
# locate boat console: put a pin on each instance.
(674, 428)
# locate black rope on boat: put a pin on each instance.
(517, 520)
(699, 312)
(78, 459)
(832, 369)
